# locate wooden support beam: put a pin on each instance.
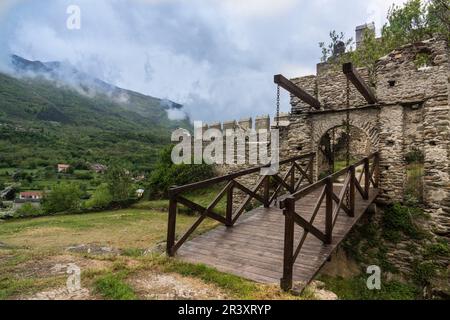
(355, 78)
(296, 91)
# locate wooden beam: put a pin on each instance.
(355, 78)
(296, 91)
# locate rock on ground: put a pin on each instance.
(154, 286)
(63, 294)
(317, 288)
(93, 249)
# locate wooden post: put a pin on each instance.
(293, 175)
(329, 211)
(171, 228)
(352, 191)
(289, 209)
(311, 168)
(267, 192)
(366, 178)
(376, 172)
(229, 213)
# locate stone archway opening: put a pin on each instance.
(339, 146)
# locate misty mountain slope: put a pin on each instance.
(66, 75)
(43, 122)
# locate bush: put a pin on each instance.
(414, 156)
(28, 210)
(101, 198)
(439, 249)
(423, 272)
(167, 174)
(398, 220)
(84, 175)
(64, 197)
(119, 182)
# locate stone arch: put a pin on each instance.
(364, 120)
(332, 148)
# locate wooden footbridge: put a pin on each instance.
(294, 232)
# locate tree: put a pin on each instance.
(415, 21)
(28, 210)
(406, 24)
(337, 39)
(167, 174)
(119, 182)
(101, 198)
(64, 197)
(439, 17)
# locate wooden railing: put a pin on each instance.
(334, 204)
(299, 174)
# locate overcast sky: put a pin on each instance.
(216, 57)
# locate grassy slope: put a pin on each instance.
(41, 242)
(42, 124)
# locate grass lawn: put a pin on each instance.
(31, 248)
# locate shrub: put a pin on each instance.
(84, 175)
(64, 197)
(119, 182)
(398, 220)
(101, 198)
(28, 210)
(437, 249)
(167, 174)
(423, 272)
(414, 156)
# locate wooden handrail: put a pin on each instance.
(202, 184)
(347, 193)
(286, 182)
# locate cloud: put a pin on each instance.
(377, 11)
(216, 57)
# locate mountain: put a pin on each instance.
(51, 113)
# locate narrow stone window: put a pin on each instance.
(414, 176)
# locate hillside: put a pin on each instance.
(47, 119)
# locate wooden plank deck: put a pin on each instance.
(253, 248)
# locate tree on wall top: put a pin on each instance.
(415, 21)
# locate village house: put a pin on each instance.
(31, 195)
(63, 168)
(98, 168)
(140, 193)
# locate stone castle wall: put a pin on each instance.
(413, 115)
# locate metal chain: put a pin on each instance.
(347, 129)
(278, 106)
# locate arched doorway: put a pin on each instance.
(339, 147)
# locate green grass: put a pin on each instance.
(13, 287)
(113, 287)
(128, 228)
(238, 287)
(356, 289)
(202, 197)
(414, 182)
(399, 221)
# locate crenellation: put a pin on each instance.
(262, 123)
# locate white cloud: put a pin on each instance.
(257, 8)
(377, 11)
(217, 57)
